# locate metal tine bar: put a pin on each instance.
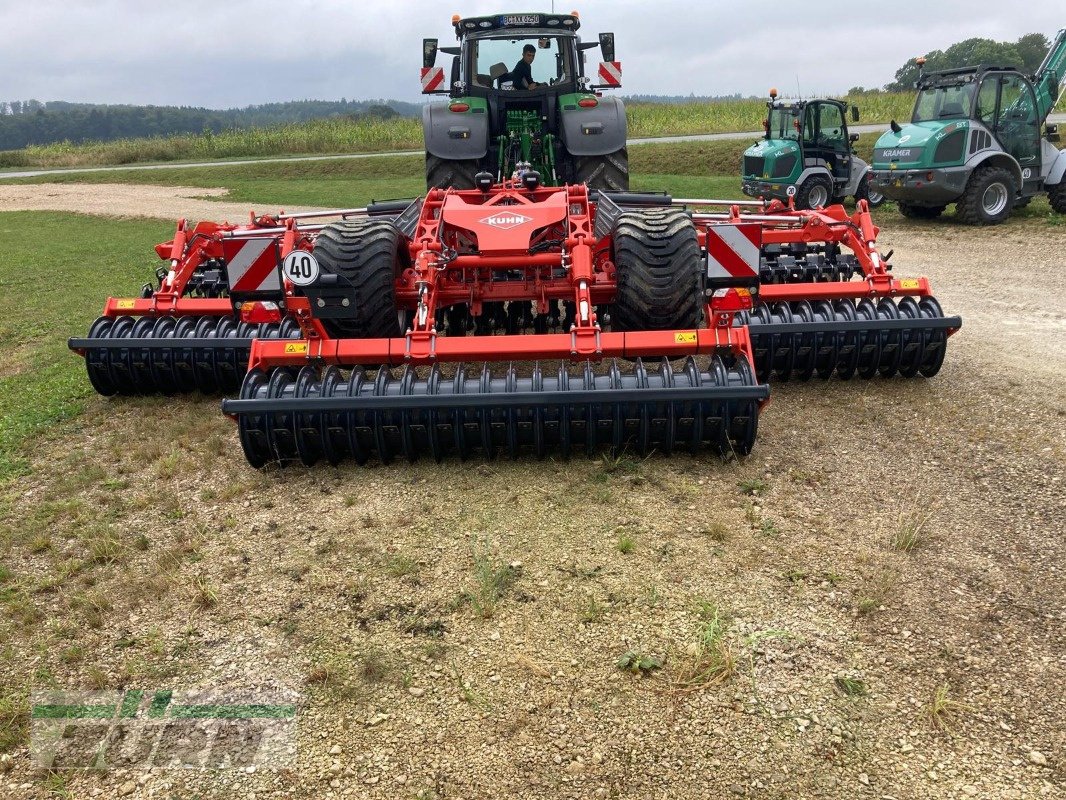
(791, 221)
(255, 233)
(339, 212)
(698, 202)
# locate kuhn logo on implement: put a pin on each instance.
(505, 221)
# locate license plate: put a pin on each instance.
(521, 19)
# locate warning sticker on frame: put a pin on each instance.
(685, 337)
(125, 304)
(909, 283)
(296, 348)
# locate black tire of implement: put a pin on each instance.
(803, 193)
(447, 173)
(920, 212)
(370, 254)
(968, 207)
(1056, 196)
(659, 273)
(609, 171)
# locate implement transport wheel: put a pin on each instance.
(609, 172)
(659, 276)
(815, 192)
(989, 197)
(369, 253)
(919, 212)
(1056, 195)
(447, 173)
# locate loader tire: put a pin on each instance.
(610, 172)
(659, 273)
(449, 173)
(873, 198)
(370, 254)
(988, 198)
(815, 192)
(920, 212)
(1056, 196)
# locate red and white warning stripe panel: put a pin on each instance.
(432, 79)
(252, 265)
(611, 73)
(733, 252)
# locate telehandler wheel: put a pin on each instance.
(873, 197)
(657, 259)
(815, 192)
(448, 173)
(609, 172)
(1056, 195)
(988, 198)
(368, 253)
(920, 212)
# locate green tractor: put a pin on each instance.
(520, 100)
(974, 140)
(807, 154)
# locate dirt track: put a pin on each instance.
(360, 589)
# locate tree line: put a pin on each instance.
(31, 122)
(1024, 54)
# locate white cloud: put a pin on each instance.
(222, 53)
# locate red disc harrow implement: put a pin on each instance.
(404, 293)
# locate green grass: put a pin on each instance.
(55, 272)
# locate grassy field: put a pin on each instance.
(365, 136)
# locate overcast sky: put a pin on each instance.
(225, 53)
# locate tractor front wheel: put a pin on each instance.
(1056, 195)
(610, 172)
(814, 192)
(920, 212)
(989, 197)
(449, 173)
(657, 258)
(369, 253)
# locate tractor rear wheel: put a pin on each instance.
(610, 172)
(815, 192)
(449, 173)
(1056, 195)
(369, 253)
(989, 197)
(657, 259)
(920, 212)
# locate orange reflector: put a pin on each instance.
(588, 102)
(458, 108)
(929, 176)
(455, 19)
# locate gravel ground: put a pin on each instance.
(453, 630)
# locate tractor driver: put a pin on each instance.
(522, 74)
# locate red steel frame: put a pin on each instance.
(446, 270)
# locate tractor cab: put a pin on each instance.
(805, 152)
(521, 97)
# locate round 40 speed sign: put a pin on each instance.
(300, 267)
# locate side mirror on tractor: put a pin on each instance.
(854, 113)
(1052, 133)
(429, 52)
(607, 46)
(853, 137)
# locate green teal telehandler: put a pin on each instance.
(806, 153)
(496, 120)
(975, 140)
